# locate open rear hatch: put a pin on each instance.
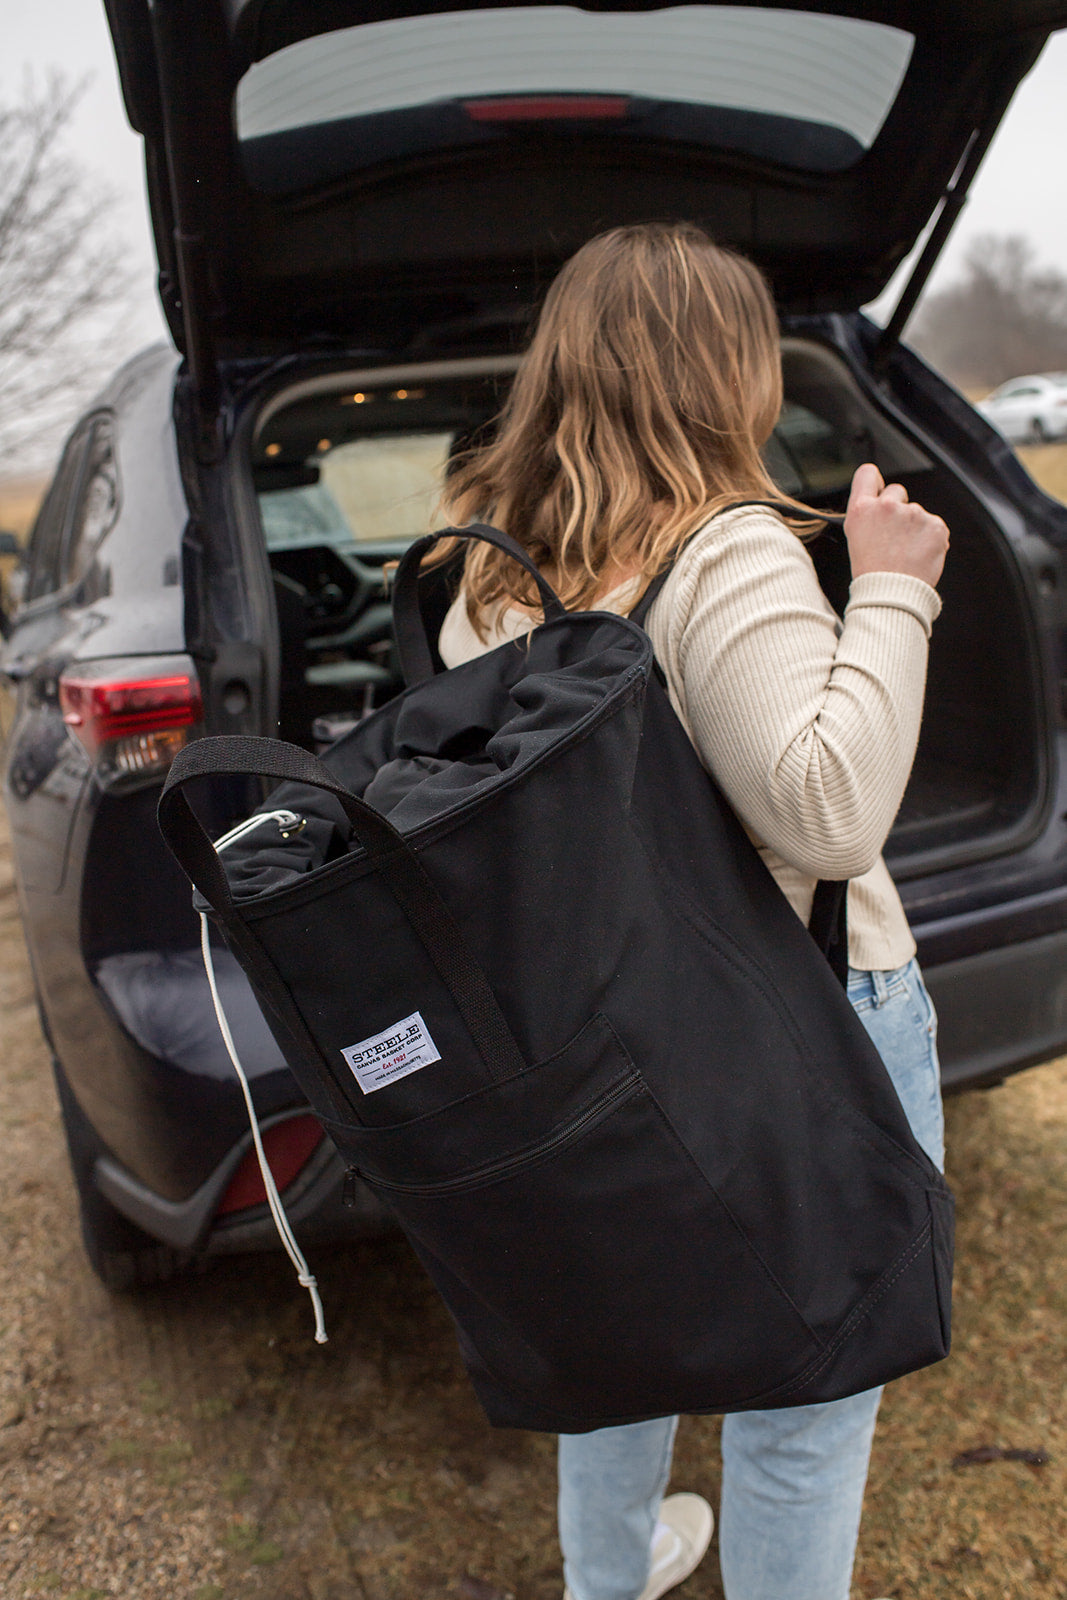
(394, 176)
(390, 187)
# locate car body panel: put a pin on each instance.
(988, 1002)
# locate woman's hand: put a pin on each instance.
(887, 533)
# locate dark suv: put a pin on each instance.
(356, 209)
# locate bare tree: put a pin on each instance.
(1006, 316)
(62, 273)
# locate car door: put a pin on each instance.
(46, 768)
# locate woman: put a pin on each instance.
(631, 436)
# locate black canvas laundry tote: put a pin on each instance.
(548, 1002)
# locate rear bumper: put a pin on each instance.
(1000, 1010)
(312, 1203)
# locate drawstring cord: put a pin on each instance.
(287, 821)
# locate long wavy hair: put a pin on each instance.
(650, 385)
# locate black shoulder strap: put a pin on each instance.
(828, 924)
(651, 594)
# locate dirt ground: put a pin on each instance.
(193, 1443)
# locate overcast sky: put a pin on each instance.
(1021, 188)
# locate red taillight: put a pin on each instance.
(548, 108)
(132, 727)
(288, 1146)
(98, 710)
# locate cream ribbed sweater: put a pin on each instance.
(809, 724)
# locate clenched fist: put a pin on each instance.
(886, 532)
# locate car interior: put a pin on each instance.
(347, 468)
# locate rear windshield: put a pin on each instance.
(794, 88)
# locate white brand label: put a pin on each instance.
(384, 1057)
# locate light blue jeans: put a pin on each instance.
(793, 1480)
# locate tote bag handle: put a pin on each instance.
(389, 852)
(413, 647)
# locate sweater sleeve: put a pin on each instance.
(809, 725)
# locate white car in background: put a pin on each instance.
(1029, 410)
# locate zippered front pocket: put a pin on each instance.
(507, 1166)
(477, 1138)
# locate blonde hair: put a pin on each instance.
(650, 385)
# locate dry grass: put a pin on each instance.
(993, 1529)
(1047, 465)
(19, 499)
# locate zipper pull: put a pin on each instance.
(348, 1188)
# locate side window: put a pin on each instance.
(79, 509)
(46, 538)
(821, 455)
(95, 509)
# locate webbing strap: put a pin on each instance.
(413, 647)
(389, 852)
(644, 605)
(828, 924)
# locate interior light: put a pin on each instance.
(323, 444)
(273, 450)
(401, 394)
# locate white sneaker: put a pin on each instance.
(682, 1535)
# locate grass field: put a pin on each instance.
(987, 1528)
(1047, 465)
(19, 499)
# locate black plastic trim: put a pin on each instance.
(1000, 1010)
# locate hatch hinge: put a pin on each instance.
(175, 25)
(1014, 68)
(952, 202)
